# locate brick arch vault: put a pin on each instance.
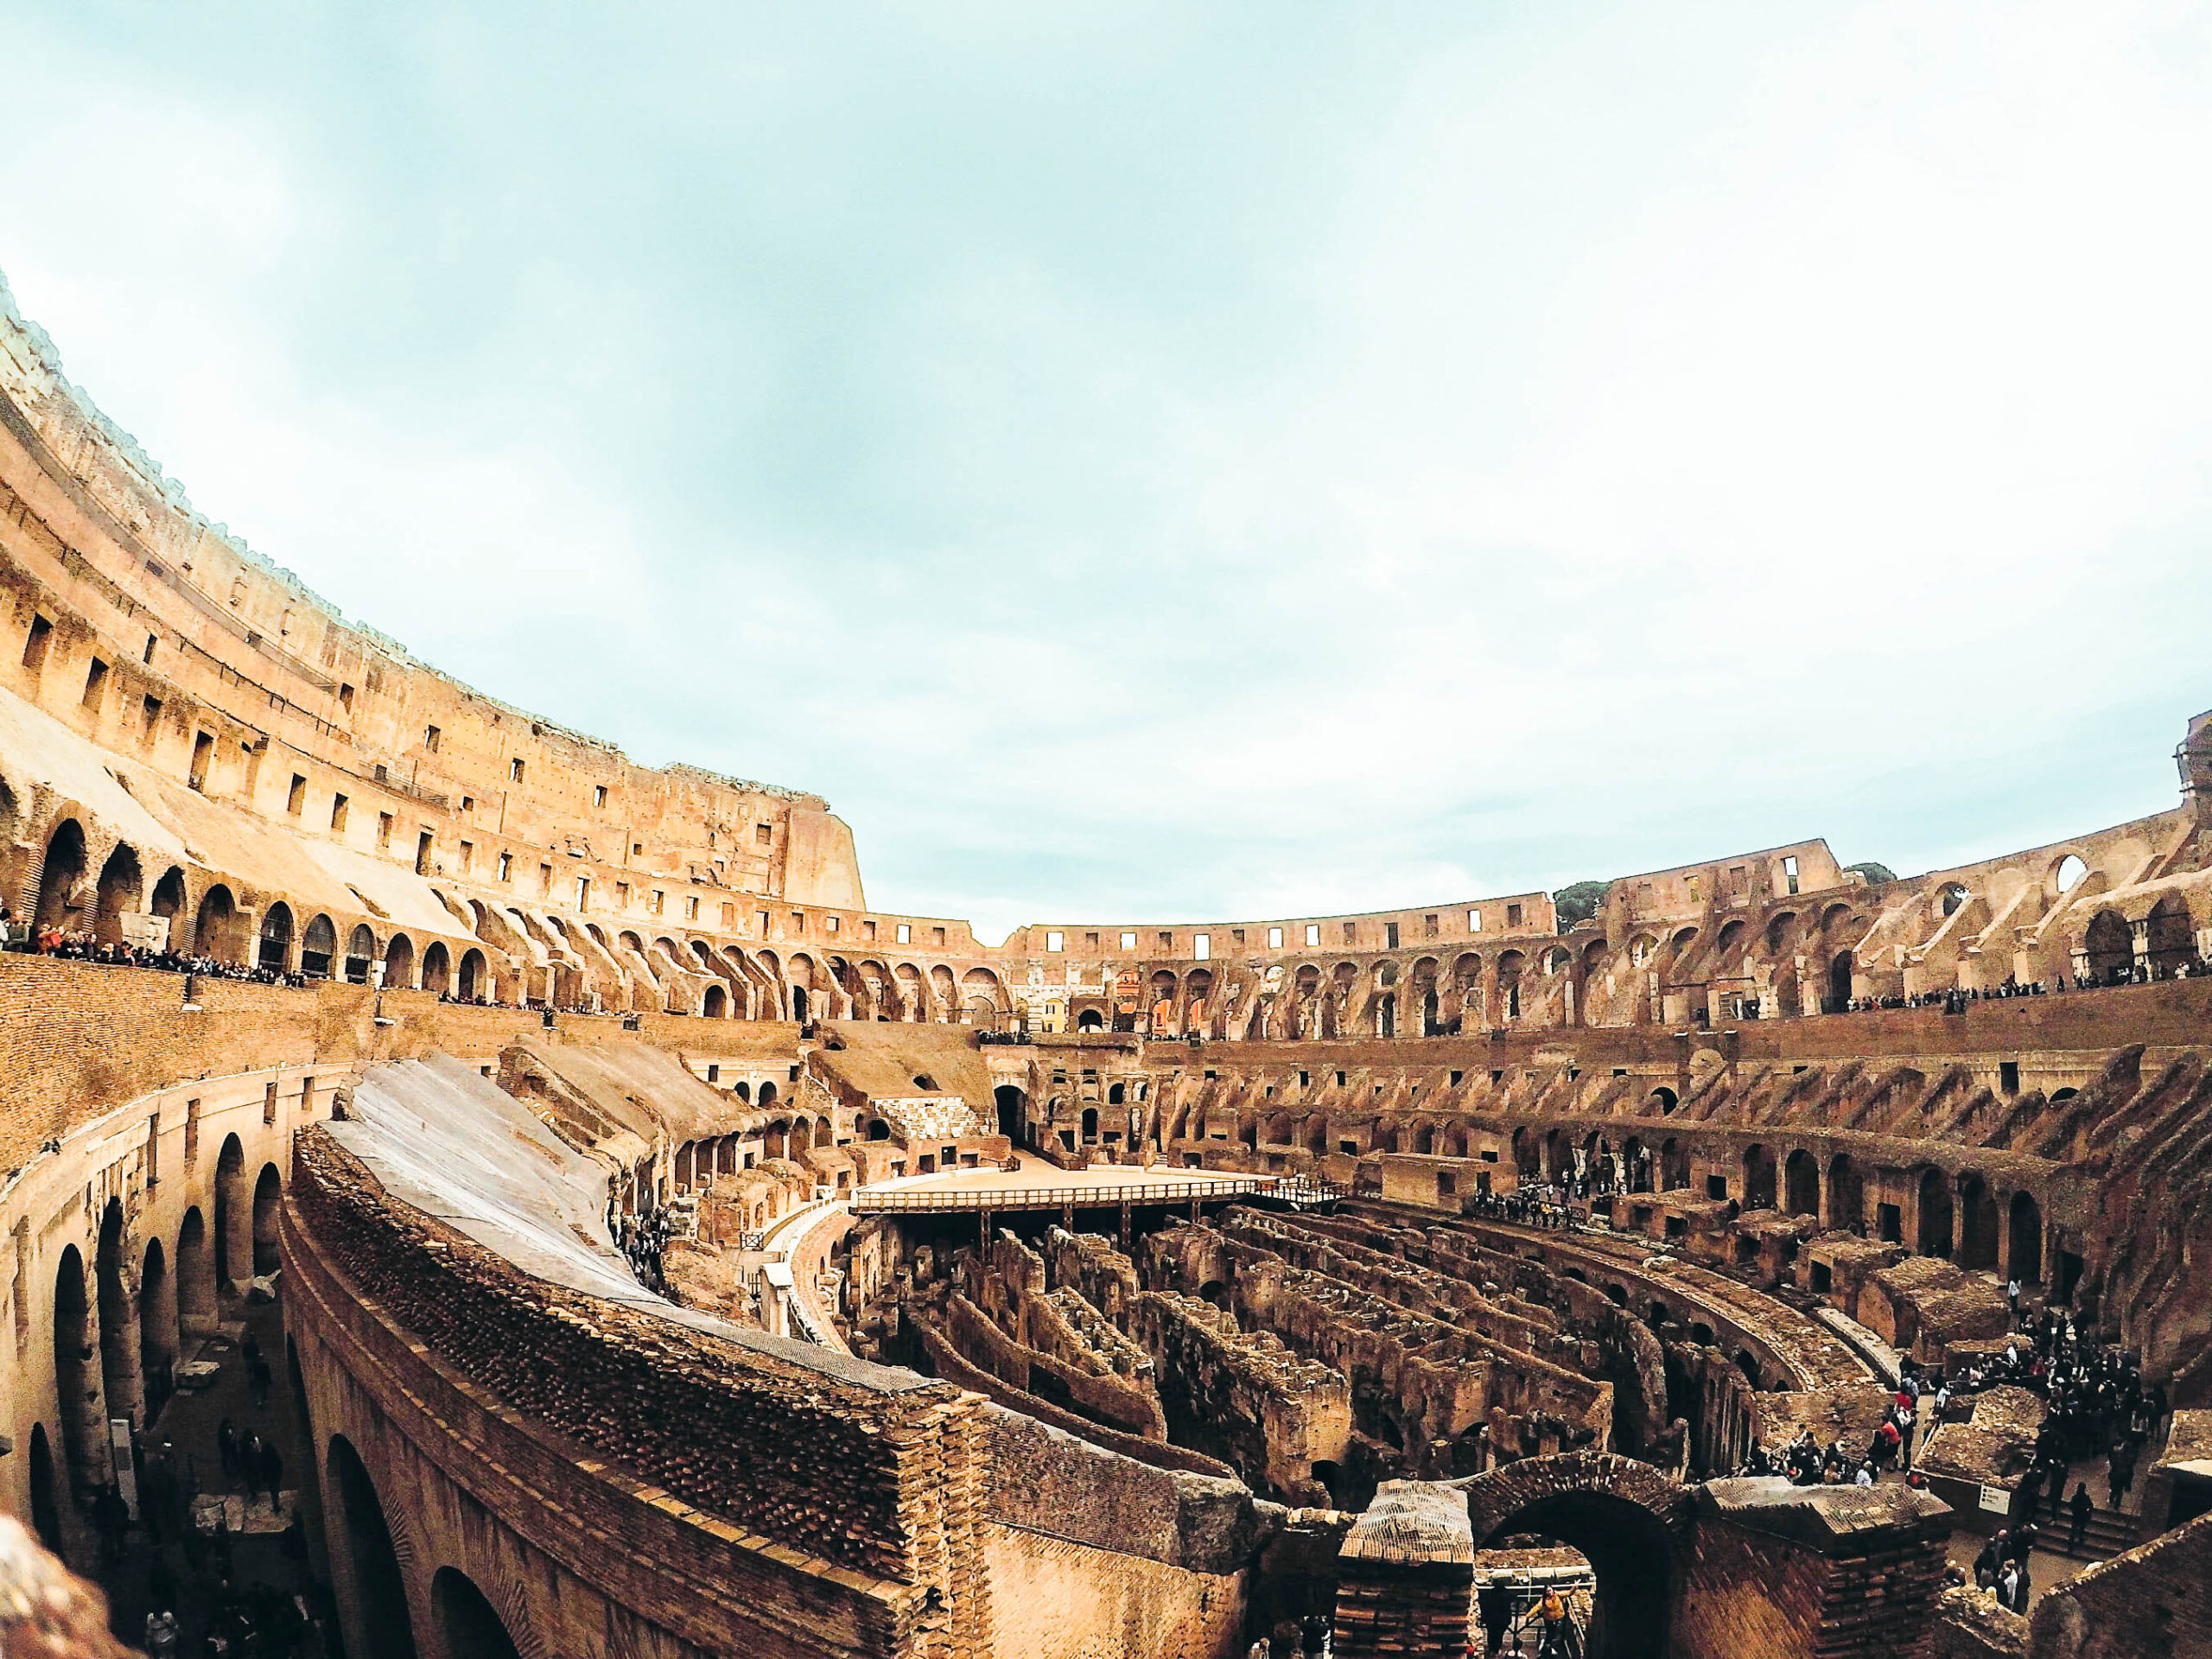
(1631, 1519)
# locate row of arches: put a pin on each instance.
(116, 1330)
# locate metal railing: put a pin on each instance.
(915, 1200)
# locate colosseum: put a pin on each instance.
(475, 1196)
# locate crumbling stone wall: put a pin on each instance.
(1245, 1397)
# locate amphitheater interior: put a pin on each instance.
(650, 1249)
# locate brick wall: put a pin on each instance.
(842, 1472)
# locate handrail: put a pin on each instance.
(865, 1202)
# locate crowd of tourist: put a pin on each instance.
(1533, 1204)
(2096, 1406)
(1955, 1001)
(73, 946)
(642, 1238)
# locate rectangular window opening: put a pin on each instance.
(338, 805)
(34, 643)
(295, 799)
(95, 683)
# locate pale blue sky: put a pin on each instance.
(1154, 462)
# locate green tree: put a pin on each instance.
(1875, 873)
(1579, 903)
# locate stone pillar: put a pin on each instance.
(1791, 1571)
(2139, 939)
(1406, 1574)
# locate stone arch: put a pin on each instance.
(46, 1506)
(399, 963)
(121, 1381)
(475, 975)
(76, 1384)
(318, 948)
(437, 967)
(274, 950)
(158, 1338)
(2170, 941)
(372, 1555)
(214, 925)
(1010, 1101)
(1978, 1242)
(468, 1625)
(233, 1215)
(360, 951)
(1625, 1516)
(1801, 1183)
(716, 1004)
(1847, 1196)
(2023, 1245)
(268, 1194)
(195, 1274)
(59, 872)
(121, 885)
(1933, 1221)
(2109, 945)
(1759, 1177)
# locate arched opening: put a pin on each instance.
(475, 976)
(169, 898)
(233, 1216)
(1673, 1166)
(1801, 1184)
(1089, 1126)
(267, 1193)
(276, 949)
(1758, 1178)
(437, 968)
(1091, 1019)
(62, 868)
(1977, 1211)
(716, 1004)
(361, 952)
(318, 948)
(470, 1626)
(379, 1590)
(2172, 942)
(798, 1004)
(1008, 1099)
(195, 1274)
(1214, 1292)
(1846, 1196)
(877, 1130)
(76, 1385)
(120, 886)
(1840, 969)
(1628, 1551)
(1949, 897)
(2110, 946)
(46, 1506)
(399, 963)
(214, 925)
(2024, 1250)
(2070, 872)
(1667, 1099)
(121, 1381)
(158, 1326)
(1933, 1231)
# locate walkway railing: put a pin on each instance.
(996, 1200)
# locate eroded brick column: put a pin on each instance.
(1406, 1574)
